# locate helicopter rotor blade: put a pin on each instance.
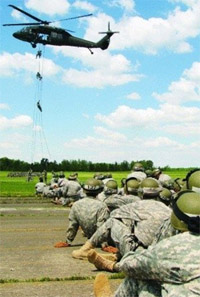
(39, 21)
(29, 15)
(22, 24)
(77, 17)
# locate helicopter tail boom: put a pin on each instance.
(105, 41)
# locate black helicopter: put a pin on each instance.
(41, 32)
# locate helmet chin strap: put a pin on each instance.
(193, 222)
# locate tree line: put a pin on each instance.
(7, 164)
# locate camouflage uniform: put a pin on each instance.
(89, 214)
(164, 178)
(133, 225)
(71, 191)
(39, 188)
(170, 268)
(139, 175)
(165, 230)
(115, 201)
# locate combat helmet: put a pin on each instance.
(179, 184)
(131, 186)
(99, 176)
(148, 172)
(193, 180)
(186, 211)
(149, 188)
(156, 172)
(73, 176)
(165, 196)
(92, 187)
(138, 167)
(111, 187)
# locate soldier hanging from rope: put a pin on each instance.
(38, 76)
(39, 106)
(39, 54)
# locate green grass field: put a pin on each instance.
(19, 187)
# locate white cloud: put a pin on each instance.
(133, 96)
(85, 5)
(154, 34)
(96, 78)
(49, 7)
(37, 128)
(135, 148)
(183, 129)
(186, 89)
(99, 72)
(128, 5)
(14, 146)
(186, 2)
(149, 118)
(4, 106)
(12, 64)
(15, 123)
(109, 134)
(18, 16)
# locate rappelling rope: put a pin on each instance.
(39, 148)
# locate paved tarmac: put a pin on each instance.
(30, 265)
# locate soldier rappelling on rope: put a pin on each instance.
(39, 54)
(38, 75)
(39, 106)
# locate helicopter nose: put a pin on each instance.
(16, 35)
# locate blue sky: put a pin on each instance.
(137, 100)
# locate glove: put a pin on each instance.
(110, 249)
(61, 244)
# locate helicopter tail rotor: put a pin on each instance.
(109, 32)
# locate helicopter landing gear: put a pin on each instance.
(91, 51)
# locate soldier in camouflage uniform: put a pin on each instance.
(138, 172)
(70, 191)
(131, 226)
(39, 187)
(110, 188)
(87, 213)
(114, 200)
(161, 177)
(169, 268)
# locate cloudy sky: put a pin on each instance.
(137, 100)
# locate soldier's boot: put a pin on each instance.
(109, 256)
(102, 286)
(100, 262)
(83, 251)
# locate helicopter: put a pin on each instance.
(40, 32)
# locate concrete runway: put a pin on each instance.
(30, 265)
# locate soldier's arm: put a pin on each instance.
(102, 215)
(73, 226)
